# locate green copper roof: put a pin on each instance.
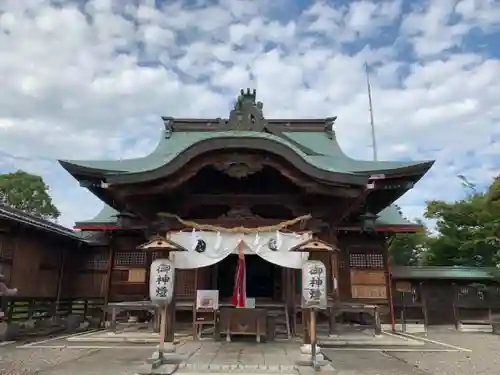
(390, 216)
(107, 216)
(331, 153)
(328, 154)
(310, 145)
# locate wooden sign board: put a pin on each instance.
(369, 291)
(161, 281)
(314, 294)
(137, 275)
(403, 286)
(207, 299)
(250, 303)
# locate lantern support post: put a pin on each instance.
(316, 360)
(162, 290)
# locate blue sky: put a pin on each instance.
(90, 80)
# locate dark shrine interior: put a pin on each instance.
(260, 276)
(209, 180)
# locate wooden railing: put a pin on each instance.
(476, 304)
(410, 305)
(23, 308)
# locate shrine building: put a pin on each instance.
(274, 186)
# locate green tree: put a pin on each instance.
(28, 193)
(493, 194)
(408, 249)
(468, 231)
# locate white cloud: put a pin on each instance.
(91, 81)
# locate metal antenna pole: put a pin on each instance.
(374, 140)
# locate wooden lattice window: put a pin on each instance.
(375, 260)
(130, 258)
(96, 261)
(364, 260)
(184, 283)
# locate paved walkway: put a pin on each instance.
(209, 356)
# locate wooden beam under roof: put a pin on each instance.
(214, 124)
(247, 199)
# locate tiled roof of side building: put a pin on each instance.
(449, 273)
(35, 222)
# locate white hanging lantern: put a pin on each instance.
(161, 281)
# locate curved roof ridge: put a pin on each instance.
(331, 151)
(116, 165)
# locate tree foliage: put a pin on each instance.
(493, 194)
(28, 193)
(408, 249)
(467, 232)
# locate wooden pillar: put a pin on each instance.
(149, 260)
(170, 333)
(60, 278)
(388, 281)
(111, 259)
(334, 282)
(306, 323)
(195, 283)
(214, 271)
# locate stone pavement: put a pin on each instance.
(209, 356)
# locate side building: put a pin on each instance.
(46, 263)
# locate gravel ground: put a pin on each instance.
(24, 362)
(483, 360)
(370, 363)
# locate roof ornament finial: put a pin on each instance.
(330, 127)
(247, 113)
(169, 126)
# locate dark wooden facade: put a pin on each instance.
(45, 260)
(359, 266)
(445, 295)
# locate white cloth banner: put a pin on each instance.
(218, 246)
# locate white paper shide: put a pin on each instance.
(314, 293)
(161, 281)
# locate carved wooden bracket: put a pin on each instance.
(313, 245)
(238, 166)
(240, 213)
(158, 243)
